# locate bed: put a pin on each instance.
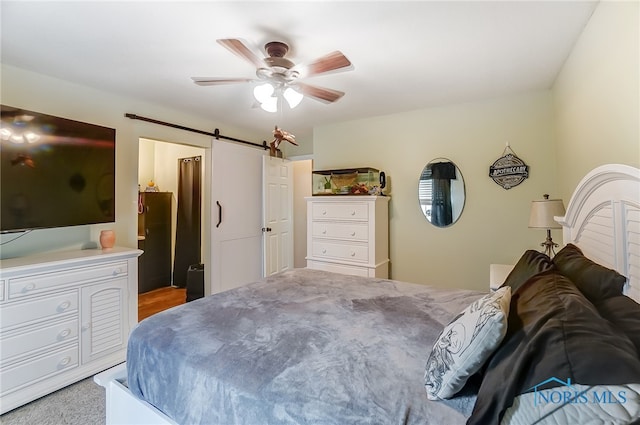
(308, 346)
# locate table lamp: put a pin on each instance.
(542, 217)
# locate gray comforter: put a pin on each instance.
(301, 347)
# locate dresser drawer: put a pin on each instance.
(346, 252)
(37, 339)
(39, 283)
(23, 313)
(338, 268)
(37, 369)
(340, 211)
(352, 231)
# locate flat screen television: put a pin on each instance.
(54, 172)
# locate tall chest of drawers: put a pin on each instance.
(348, 234)
(64, 316)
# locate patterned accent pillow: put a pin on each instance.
(466, 343)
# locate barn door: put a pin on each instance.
(236, 215)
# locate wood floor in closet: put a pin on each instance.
(160, 299)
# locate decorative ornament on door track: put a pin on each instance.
(508, 171)
(279, 136)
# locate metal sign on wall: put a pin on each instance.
(508, 171)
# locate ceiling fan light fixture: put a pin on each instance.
(278, 76)
(270, 104)
(263, 92)
(293, 97)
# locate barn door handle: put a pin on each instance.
(219, 213)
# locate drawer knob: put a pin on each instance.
(65, 361)
(64, 305)
(324, 212)
(353, 213)
(64, 333)
(353, 254)
(353, 233)
(29, 287)
(324, 251)
(324, 231)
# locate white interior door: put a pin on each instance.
(278, 215)
(236, 215)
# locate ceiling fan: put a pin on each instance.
(280, 75)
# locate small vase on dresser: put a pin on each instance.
(107, 239)
(348, 234)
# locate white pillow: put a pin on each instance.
(466, 343)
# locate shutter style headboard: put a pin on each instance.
(603, 219)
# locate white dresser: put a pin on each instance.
(348, 234)
(64, 316)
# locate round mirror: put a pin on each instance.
(441, 192)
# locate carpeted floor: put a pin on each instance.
(82, 403)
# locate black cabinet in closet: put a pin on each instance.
(154, 234)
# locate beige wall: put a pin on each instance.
(597, 96)
(305, 145)
(591, 117)
(301, 189)
(493, 226)
(52, 96)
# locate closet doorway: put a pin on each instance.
(159, 174)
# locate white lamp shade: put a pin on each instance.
(543, 213)
(268, 97)
(263, 92)
(270, 104)
(293, 97)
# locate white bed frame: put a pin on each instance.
(602, 218)
(122, 406)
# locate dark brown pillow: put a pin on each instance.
(553, 331)
(596, 282)
(530, 264)
(624, 314)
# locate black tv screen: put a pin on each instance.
(54, 172)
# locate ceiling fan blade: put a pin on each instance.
(240, 48)
(212, 81)
(319, 93)
(331, 62)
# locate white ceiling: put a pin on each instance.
(406, 55)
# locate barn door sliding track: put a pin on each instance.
(216, 132)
